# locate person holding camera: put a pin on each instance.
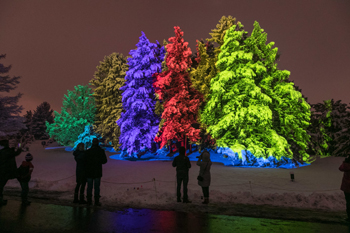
(204, 177)
(345, 185)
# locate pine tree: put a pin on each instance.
(41, 115)
(10, 121)
(108, 80)
(139, 123)
(86, 137)
(78, 111)
(218, 34)
(250, 105)
(329, 128)
(181, 101)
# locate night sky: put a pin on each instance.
(55, 45)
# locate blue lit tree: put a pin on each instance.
(139, 123)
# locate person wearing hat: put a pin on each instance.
(204, 163)
(345, 185)
(8, 166)
(24, 176)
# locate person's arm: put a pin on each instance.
(174, 162)
(104, 157)
(345, 167)
(188, 163)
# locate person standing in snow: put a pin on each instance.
(8, 166)
(24, 175)
(345, 185)
(182, 164)
(95, 157)
(204, 163)
(80, 173)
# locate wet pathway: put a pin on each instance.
(40, 217)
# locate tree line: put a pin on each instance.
(230, 93)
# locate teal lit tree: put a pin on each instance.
(139, 122)
(78, 111)
(86, 137)
(251, 105)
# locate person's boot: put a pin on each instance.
(89, 200)
(3, 202)
(186, 200)
(25, 202)
(76, 200)
(179, 199)
(82, 201)
(206, 200)
(97, 201)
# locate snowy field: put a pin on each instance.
(145, 183)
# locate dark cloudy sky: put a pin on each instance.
(55, 45)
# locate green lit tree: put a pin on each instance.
(108, 79)
(78, 111)
(205, 68)
(251, 106)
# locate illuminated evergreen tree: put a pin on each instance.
(251, 106)
(108, 79)
(329, 128)
(139, 122)
(41, 115)
(218, 34)
(78, 111)
(10, 121)
(181, 101)
(86, 137)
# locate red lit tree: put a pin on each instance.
(181, 101)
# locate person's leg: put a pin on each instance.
(97, 183)
(185, 183)
(347, 199)
(206, 195)
(178, 188)
(82, 190)
(3, 182)
(89, 190)
(24, 193)
(76, 192)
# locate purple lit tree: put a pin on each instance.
(139, 123)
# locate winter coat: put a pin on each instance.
(345, 184)
(182, 164)
(28, 167)
(95, 157)
(204, 163)
(80, 171)
(8, 166)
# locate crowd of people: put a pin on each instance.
(89, 171)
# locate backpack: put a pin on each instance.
(22, 172)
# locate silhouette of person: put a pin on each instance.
(95, 157)
(182, 164)
(8, 166)
(345, 185)
(24, 175)
(80, 173)
(205, 163)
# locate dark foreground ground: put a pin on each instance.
(48, 214)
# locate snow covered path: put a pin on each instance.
(145, 183)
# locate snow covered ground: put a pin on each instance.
(145, 183)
